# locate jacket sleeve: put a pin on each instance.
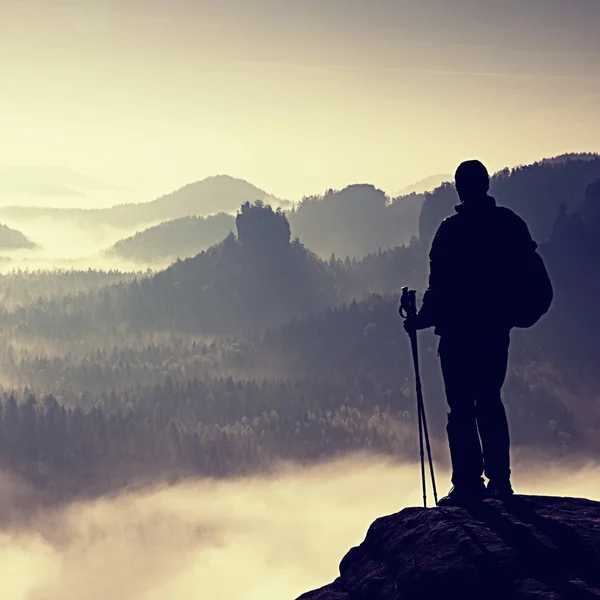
(522, 241)
(428, 313)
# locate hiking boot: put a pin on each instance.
(499, 491)
(464, 495)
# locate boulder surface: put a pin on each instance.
(528, 547)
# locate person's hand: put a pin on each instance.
(411, 324)
(415, 323)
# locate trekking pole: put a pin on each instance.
(420, 419)
(408, 308)
(421, 404)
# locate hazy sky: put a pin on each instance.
(295, 96)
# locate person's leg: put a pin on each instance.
(463, 438)
(491, 416)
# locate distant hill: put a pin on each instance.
(425, 185)
(179, 238)
(211, 195)
(243, 283)
(240, 285)
(11, 239)
(355, 221)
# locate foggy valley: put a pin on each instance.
(223, 409)
(210, 213)
(258, 537)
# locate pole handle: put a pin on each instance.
(408, 303)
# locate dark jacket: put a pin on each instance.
(473, 259)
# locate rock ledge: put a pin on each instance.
(529, 547)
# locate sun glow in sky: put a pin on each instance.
(295, 97)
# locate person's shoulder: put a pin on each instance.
(507, 213)
(516, 224)
(447, 225)
(450, 221)
(510, 216)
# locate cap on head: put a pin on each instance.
(472, 180)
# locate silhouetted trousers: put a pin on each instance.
(474, 368)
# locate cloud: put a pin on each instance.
(253, 538)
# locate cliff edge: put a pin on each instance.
(529, 547)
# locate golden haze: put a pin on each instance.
(262, 538)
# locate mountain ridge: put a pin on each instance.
(426, 184)
(219, 193)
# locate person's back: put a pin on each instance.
(474, 258)
(475, 262)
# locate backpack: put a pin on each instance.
(533, 293)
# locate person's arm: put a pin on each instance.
(522, 239)
(426, 317)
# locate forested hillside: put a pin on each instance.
(11, 239)
(355, 221)
(314, 388)
(178, 238)
(257, 350)
(573, 257)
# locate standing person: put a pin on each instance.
(476, 262)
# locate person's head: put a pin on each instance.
(472, 180)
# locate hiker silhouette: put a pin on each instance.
(479, 259)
